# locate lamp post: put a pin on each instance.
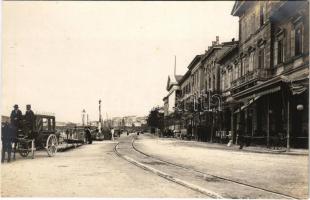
(219, 98)
(83, 117)
(100, 118)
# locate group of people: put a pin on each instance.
(10, 131)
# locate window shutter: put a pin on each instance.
(293, 42)
(275, 53)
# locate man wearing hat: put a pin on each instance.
(29, 121)
(16, 117)
(7, 137)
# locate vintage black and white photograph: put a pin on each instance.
(155, 99)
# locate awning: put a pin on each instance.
(250, 102)
(269, 91)
(257, 96)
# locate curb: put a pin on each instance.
(67, 147)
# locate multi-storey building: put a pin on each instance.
(170, 100)
(261, 81)
(212, 120)
(191, 85)
(228, 62)
(273, 61)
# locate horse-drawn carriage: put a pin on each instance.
(43, 136)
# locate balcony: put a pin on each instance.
(257, 74)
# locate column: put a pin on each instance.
(288, 126)
(232, 124)
(268, 126)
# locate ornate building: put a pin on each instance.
(273, 61)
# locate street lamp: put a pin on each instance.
(300, 107)
(100, 118)
(83, 117)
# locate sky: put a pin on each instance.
(62, 57)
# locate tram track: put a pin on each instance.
(167, 176)
(132, 149)
(215, 176)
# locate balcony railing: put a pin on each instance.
(257, 74)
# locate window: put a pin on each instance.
(214, 82)
(231, 75)
(261, 14)
(246, 65)
(241, 67)
(261, 59)
(298, 41)
(280, 52)
(209, 82)
(236, 71)
(251, 62)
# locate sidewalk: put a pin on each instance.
(66, 146)
(233, 147)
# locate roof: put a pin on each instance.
(178, 78)
(186, 75)
(173, 80)
(196, 59)
(237, 8)
(209, 52)
(228, 52)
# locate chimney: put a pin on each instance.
(213, 43)
(233, 39)
(217, 39)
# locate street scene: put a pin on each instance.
(155, 99)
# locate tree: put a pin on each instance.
(155, 119)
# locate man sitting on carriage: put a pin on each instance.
(29, 123)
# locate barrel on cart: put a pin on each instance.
(43, 136)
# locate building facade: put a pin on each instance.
(257, 85)
(273, 60)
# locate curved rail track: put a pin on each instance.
(191, 170)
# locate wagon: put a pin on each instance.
(44, 137)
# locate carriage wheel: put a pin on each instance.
(51, 145)
(22, 149)
(24, 153)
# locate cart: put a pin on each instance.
(44, 137)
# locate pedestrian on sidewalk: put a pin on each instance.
(8, 135)
(112, 134)
(240, 134)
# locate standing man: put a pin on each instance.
(88, 135)
(16, 117)
(7, 137)
(29, 122)
(112, 133)
(240, 133)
